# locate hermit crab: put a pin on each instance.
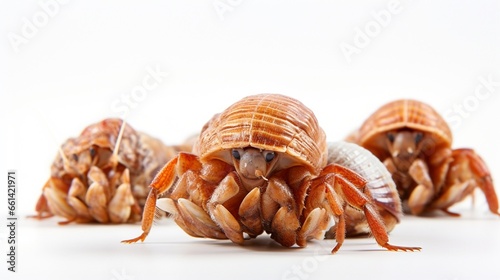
(414, 142)
(103, 175)
(262, 165)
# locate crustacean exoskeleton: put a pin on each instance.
(414, 142)
(102, 177)
(380, 188)
(261, 165)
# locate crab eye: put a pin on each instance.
(75, 157)
(390, 136)
(236, 154)
(418, 137)
(269, 156)
(92, 152)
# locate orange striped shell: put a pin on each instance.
(403, 114)
(268, 122)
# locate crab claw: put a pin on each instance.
(467, 171)
(97, 195)
(57, 203)
(76, 195)
(120, 206)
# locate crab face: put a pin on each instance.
(404, 146)
(403, 128)
(254, 165)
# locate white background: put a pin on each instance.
(66, 65)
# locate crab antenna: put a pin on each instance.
(259, 173)
(114, 156)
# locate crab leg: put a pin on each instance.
(285, 222)
(227, 189)
(483, 177)
(467, 171)
(42, 208)
(318, 214)
(338, 211)
(249, 213)
(120, 206)
(98, 195)
(424, 191)
(338, 183)
(56, 200)
(76, 198)
(349, 184)
(160, 184)
(314, 226)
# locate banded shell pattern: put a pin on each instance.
(403, 114)
(267, 122)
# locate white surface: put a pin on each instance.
(76, 67)
(465, 248)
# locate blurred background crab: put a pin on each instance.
(103, 174)
(415, 144)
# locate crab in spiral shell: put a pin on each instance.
(414, 142)
(262, 166)
(103, 175)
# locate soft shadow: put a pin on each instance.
(262, 243)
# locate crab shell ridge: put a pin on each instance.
(268, 122)
(403, 114)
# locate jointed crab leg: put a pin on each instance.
(161, 183)
(467, 171)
